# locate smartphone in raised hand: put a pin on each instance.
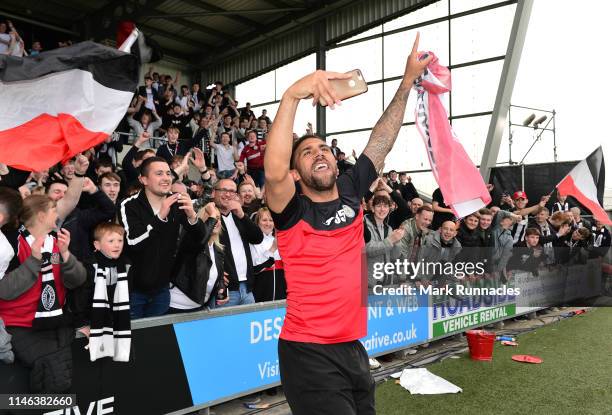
(348, 88)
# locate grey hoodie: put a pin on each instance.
(502, 242)
(380, 250)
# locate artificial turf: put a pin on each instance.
(575, 377)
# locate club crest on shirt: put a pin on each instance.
(341, 216)
(55, 258)
(48, 298)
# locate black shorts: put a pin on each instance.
(321, 379)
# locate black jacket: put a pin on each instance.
(471, 244)
(167, 151)
(250, 234)
(408, 191)
(401, 213)
(80, 223)
(600, 242)
(142, 91)
(130, 172)
(523, 258)
(193, 263)
(150, 243)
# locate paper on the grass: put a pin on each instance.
(423, 382)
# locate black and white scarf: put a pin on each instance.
(518, 230)
(560, 207)
(49, 314)
(110, 330)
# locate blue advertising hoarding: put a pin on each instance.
(247, 357)
(396, 322)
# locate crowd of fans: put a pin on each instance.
(179, 224)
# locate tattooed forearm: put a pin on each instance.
(387, 128)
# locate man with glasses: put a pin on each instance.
(238, 232)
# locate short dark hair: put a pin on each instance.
(297, 143)
(381, 200)
(148, 77)
(424, 208)
(104, 161)
(176, 104)
(532, 231)
(111, 176)
(141, 153)
(173, 127)
(584, 233)
(52, 180)
(10, 205)
(144, 167)
(485, 211)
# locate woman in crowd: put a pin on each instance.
(270, 282)
(36, 319)
(198, 276)
(145, 124)
(383, 245)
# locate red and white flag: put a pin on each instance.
(61, 102)
(586, 182)
(460, 182)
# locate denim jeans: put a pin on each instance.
(240, 297)
(149, 305)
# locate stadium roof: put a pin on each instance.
(201, 33)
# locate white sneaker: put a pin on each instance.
(374, 364)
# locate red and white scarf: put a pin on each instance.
(460, 182)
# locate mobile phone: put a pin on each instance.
(348, 88)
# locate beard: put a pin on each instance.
(320, 183)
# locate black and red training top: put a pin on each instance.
(322, 245)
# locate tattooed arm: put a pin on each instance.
(386, 129)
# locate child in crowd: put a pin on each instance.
(102, 304)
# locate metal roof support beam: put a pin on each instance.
(213, 8)
(172, 36)
(199, 28)
(506, 86)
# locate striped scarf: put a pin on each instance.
(110, 330)
(49, 314)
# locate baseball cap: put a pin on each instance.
(519, 195)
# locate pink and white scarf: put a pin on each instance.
(460, 181)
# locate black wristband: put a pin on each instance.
(79, 175)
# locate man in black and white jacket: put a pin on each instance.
(238, 232)
(152, 219)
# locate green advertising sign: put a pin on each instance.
(475, 319)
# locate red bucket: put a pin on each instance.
(481, 344)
